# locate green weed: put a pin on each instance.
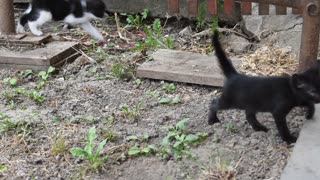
(136, 21)
(122, 71)
(131, 113)
(88, 153)
(177, 141)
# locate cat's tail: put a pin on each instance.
(225, 63)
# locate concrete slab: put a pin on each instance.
(184, 67)
(304, 162)
(54, 53)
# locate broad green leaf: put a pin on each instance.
(88, 149)
(3, 167)
(176, 100)
(192, 138)
(165, 140)
(76, 151)
(153, 147)
(13, 81)
(133, 137)
(91, 135)
(181, 124)
(50, 69)
(146, 150)
(134, 151)
(165, 101)
(101, 145)
(177, 143)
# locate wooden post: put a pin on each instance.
(7, 25)
(310, 34)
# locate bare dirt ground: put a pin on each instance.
(36, 137)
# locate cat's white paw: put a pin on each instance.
(37, 33)
(20, 28)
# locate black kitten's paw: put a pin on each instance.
(260, 128)
(213, 121)
(310, 111)
(212, 118)
(309, 116)
(290, 139)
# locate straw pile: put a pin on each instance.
(269, 61)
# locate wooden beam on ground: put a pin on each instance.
(23, 39)
(184, 67)
(304, 162)
(54, 53)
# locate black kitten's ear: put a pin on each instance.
(298, 81)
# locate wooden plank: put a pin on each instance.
(297, 11)
(173, 7)
(51, 54)
(25, 39)
(192, 6)
(228, 7)
(304, 162)
(246, 8)
(211, 7)
(264, 9)
(281, 10)
(184, 67)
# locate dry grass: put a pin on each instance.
(269, 61)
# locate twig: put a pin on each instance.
(85, 55)
(118, 28)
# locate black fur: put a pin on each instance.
(277, 95)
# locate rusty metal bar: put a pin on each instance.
(310, 34)
(246, 8)
(281, 10)
(264, 9)
(173, 7)
(6, 17)
(211, 7)
(229, 7)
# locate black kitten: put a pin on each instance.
(277, 95)
(72, 12)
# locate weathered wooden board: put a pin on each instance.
(304, 162)
(183, 66)
(53, 54)
(21, 39)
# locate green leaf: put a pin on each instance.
(90, 118)
(40, 85)
(176, 144)
(88, 149)
(13, 81)
(153, 147)
(76, 151)
(176, 100)
(134, 151)
(146, 150)
(165, 140)
(192, 138)
(101, 145)
(3, 167)
(181, 124)
(50, 69)
(165, 100)
(133, 137)
(91, 135)
(93, 69)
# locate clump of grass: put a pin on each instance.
(122, 71)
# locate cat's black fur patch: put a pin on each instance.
(277, 95)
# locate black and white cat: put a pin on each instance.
(72, 12)
(277, 95)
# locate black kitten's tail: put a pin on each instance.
(225, 63)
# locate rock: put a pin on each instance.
(285, 30)
(186, 31)
(237, 44)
